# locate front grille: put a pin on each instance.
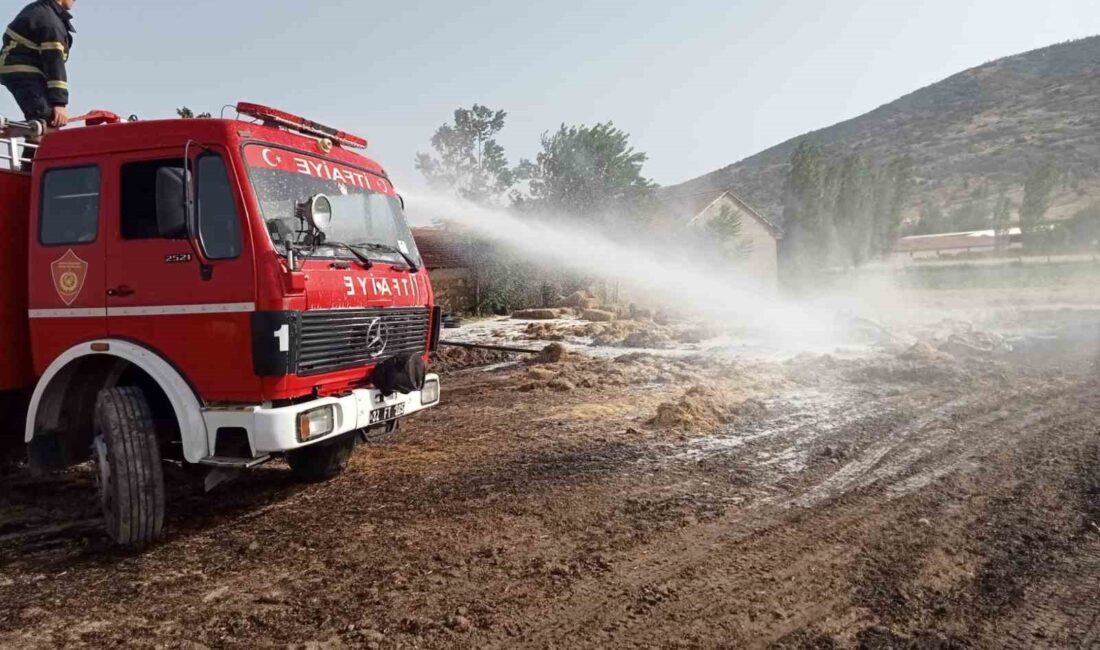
(346, 338)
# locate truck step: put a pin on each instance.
(237, 463)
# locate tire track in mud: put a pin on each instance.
(930, 437)
(570, 537)
(1061, 608)
(988, 537)
(845, 520)
(1058, 614)
(693, 546)
(592, 607)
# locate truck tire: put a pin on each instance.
(131, 479)
(322, 461)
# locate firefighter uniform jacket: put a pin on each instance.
(36, 45)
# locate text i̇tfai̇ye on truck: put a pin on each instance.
(209, 293)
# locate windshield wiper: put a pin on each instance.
(363, 259)
(413, 266)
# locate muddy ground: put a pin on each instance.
(937, 491)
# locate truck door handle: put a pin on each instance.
(120, 292)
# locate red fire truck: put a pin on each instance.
(211, 293)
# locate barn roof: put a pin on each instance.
(441, 248)
(686, 208)
(950, 241)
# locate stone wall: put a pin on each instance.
(454, 290)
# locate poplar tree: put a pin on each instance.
(1038, 192)
(804, 213)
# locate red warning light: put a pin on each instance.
(300, 124)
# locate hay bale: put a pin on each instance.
(651, 339)
(543, 332)
(449, 359)
(975, 344)
(561, 385)
(703, 409)
(579, 300)
(535, 314)
(598, 316)
(541, 374)
(552, 353)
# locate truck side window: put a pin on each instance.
(219, 223)
(138, 198)
(70, 206)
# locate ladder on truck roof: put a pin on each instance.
(15, 136)
(14, 144)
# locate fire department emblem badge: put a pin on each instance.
(68, 273)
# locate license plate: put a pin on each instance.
(386, 414)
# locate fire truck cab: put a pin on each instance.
(213, 293)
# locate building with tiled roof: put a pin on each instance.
(446, 255)
(696, 209)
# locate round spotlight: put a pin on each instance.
(319, 212)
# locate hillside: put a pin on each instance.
(971, 136)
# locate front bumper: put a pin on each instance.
(275, 430)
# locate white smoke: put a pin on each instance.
(668, 277)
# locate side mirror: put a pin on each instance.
(171, 203)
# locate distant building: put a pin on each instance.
(762, 236)
(446, 256)
(955, 245)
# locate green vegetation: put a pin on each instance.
(841, 212)
(722, 239)
(469, 160)
(1038, 189)
(584, 172)
(589, 174)
(1002, 216)
(970, 137)
(1012, 275)
(187, 113)
(1085, 227)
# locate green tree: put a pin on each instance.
(932, 219)
(1084, 228)
(724, 236)
(851, 215)
(892, 192)
(187, 113)
(805, 246)
(469, 160)
(1038, 193)
(1002, 220)
(970, 215)
(586, 172)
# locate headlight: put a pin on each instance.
(430, 393)
(316, 423)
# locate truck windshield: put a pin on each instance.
(366, 212)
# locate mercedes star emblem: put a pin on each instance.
(377, 338)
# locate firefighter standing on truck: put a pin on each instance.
(32, 63)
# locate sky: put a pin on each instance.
(698, 84)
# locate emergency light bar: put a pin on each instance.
(300, 124)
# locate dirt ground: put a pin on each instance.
(934, 492)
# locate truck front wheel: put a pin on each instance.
(131, 479)
(322, 461)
